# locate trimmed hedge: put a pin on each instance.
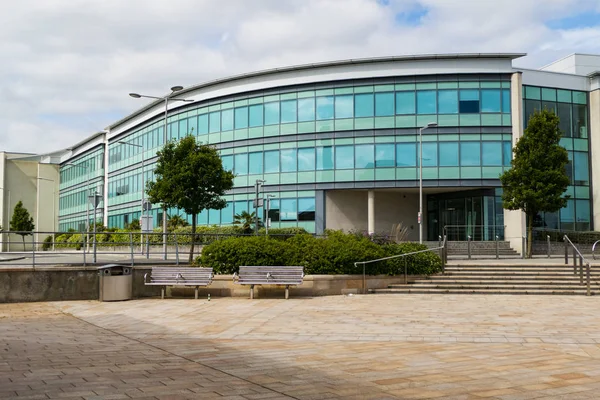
(334, 254)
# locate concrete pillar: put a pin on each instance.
(515, 221)
(594, 135)
(371, 213)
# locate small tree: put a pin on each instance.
(190, 176)
(538, 178)
(246, 220)
(21, 222)
(176, 221)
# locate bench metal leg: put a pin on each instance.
(196, 293)
(162, 293)
(251, 292)
(287, 292)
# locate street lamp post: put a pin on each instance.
(143, 188)
(420, 216)
(166, 99)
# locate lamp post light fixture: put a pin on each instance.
(420, 216)
(166, 99)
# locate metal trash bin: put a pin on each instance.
(116, 282)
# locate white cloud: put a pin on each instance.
(67, 65)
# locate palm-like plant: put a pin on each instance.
(247, 220)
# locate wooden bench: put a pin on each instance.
(264, 275)
(179, 276)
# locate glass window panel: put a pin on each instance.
(582, 172)
(288, 211)
(406, 155)
(579, 97)
(549, 94)
(506, 101)
(582, 208)
(288, 160)
(344, 157)
(531, 106)
(306, 159)
(272, 113)
(384, 155)
(470, 154)
(430, 154)
(241, 164)
(364, 105)
(256, 115)
(306, 109)
(215, 121)
(384, 104)
(364, 156)
(532, 92)
(344, 106)
(227, 120)
(274, 210)
(448, 154)
(580, 121)
(325, 107)
(448, 102)
(491, 153)
(324, 158)
(507, 153)
(306, 209)
(240, 206)
(565, 123)
(271, 161)
(183, 129)
(227, 213)
(255, 161)
(490, 100)
(426, 102)
(241, 117)
(288, 111)
(405, 103)
(214, 217)
(469, 94)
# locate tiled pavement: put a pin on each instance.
(357, 347)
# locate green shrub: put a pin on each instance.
(426, 263)
(76, 241)
(47, 245)
(283, 233)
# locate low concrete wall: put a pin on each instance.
(25, 284)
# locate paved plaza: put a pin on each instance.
(354, 347)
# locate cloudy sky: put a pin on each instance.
(66, 66)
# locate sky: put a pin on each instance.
(66, 66)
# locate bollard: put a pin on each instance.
(439, 240)
(469, 246)
(548, 240)
(581, 270)
(497, 248)
(566, 250)
(588, 278)
(574, 260)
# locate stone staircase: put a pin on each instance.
(459, 249)
(502, 279)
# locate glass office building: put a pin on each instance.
(337, 144)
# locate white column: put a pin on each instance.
(371, 213)
(594, 135)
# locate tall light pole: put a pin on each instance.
(420, 216)
(143, 187)
(7, 218)
(166, 99)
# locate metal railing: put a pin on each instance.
(578, 256)
(442, 254)
(476, 232)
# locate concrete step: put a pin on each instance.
(499, 282)
(536, 278)
(544, 291)
(516, 286)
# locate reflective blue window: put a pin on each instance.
(507, 155)
(491, 100)
(306, 209)
(582, 172)
(227, 213)
(215, 121)
(183, 129)
(324, 158)
(429, 154)
(426, 102)
(384, 155)
(406, 155)
(582, 211)
(214, 217)
(306, 109)
(255, 161)
(506, 101)
(468, 101)
(491, 153)
(325, 107)
(241, 164)
(288, 111)
(241, 117)
(202, 124)
(288, 210)
(306, 159)
(288, 160)
(173, 134)
(344, 106)
(227, 163)
(256, 115)
(272, 113)
(448, 154)
(227, 120)
(274, 210)
(448, 102)
(240, 206)
(405, 103)
(364, 156)
(344, 157)
(364, 105)
(271, 161)
(470, 154)
(384, 104)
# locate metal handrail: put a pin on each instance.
(594, 249)
(581, 258)
(364, 263)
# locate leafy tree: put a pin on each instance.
(246, 220)
(538, 178)
(190, 176)
(22, 222)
